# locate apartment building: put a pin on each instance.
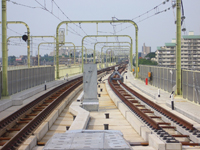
(145, 50)
(190, 53)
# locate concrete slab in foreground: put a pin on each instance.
(88, 139)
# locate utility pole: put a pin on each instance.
(4, 51)
(178, 47)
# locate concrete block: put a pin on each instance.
(81, 140)
(17, 101)
(173, 146)
(142, 148)
(197, 126)
(24, 147)
(51, 119)
(145, 133)
(60, 107)
(31, 142)
(156, 143)
(82, 116)
(5, 105)
(122, 109)
(41, 130)
(135, 123)
(91, 106)
(38, 148)
(80, 123)
(74, 109)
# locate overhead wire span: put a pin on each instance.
(74, 32)
(146, 18)
(152, 9)
(79, 26)
(51, 12)
(16, 3)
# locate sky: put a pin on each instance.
(156, 26)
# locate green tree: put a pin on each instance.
(151, 55)
(146, 62)
(143, 61)
(47, 58)
(11, 59)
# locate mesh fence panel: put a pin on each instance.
(184, 83)
(161, 77)
(141, 72)
(165, 79)
(14, 82)
(153, 76)
(19, 80)
(190, 86)
(23, 73)
(10, 85)
(197, 87)
(0, 83)
(174, 77)
(31, 78)
(156, 76)
(169, 80)
(35, 76)
(26, 79)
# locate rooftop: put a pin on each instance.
(170, 44)
(191, 36)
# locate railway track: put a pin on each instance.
(154, 117)
(17, 127)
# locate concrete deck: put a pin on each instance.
(59, 126)
(116, 120)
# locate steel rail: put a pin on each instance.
(170, 138)
(163, 111)
(15, 141)
(34, 123)
(136, 110)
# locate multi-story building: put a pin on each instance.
(145, 50)
(190, 52)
